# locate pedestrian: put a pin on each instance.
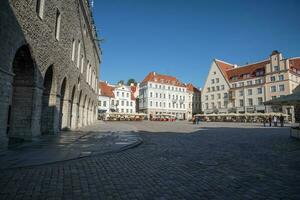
(194, 120)
(281, 119)
(265, 119)
(197, 120)
(270, 120)
(275, 121)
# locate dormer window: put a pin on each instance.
(234, 78)
(246, 76)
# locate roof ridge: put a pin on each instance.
(223, 61)
(252, 63)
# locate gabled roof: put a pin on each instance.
(190, 87)
(247, 69)
(160, 78)
(106, 90)
(229, 70)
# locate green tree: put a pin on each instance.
(131, 81)
(122, 82)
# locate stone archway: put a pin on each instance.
(49, 109)
(64, 105)
(25, 107)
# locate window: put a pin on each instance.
(112, 102)
(156, 104)
(222, 87)
(219, 104)
(276, 68)
(260, 101)
(164, 96)
(99, 103)
(249, 82)
(218, 88)
(208, 89)
(219, 96)
(104, 103)
(159, 104)
(212, 81)
(213, 89)
(160, 95)
(118, 94)
(273, 97)
(40, 4)
(241, 84)
(73, 49)
(122, 94)
(225, 95)
(258, 81)
(150, 94)
(127, 95)
(217, 80)
(250, 102)
(122, 103)
(241, 102)
(259, 90)
(281, 77)
(150, 84)
(151, 103)
(234, 85)
(156, 95)
(249, 91)
(117, 103)
(206, 105)
(78, 53)
(82, 63)
(273, 88)
(122, 110)
(281, 88)
(57, 24)
(272, 78)
(206, 97)
(246, 75)
(241, 92)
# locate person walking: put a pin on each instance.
(275, 121)
(270, 120)
(281, 119)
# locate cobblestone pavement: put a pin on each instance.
(213, 161)
(99, 138)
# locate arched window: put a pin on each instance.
(82, 63)
(87, 71)
(57, 25)
(40, 4)
(73, 49)
(78, 53)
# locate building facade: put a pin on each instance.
(194, 101)
(116, 98)
(163, 94)
(49, 67)
(231, 88)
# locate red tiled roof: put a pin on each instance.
(160, 78)
(247, 69)
(295, 63)
(229, 71)
(106, 90)
(190, 87)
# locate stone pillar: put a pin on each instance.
(5, 99)
(74, 116)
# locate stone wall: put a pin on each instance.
(37, 106)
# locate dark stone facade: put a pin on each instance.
(47, 83)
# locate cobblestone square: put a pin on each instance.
(177, 160)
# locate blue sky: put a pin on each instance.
(182, 37)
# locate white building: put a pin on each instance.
(194, 101)
(162, 94)
(116, 98)
(241, 89)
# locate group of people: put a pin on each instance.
(196, 120)
(274, 120)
